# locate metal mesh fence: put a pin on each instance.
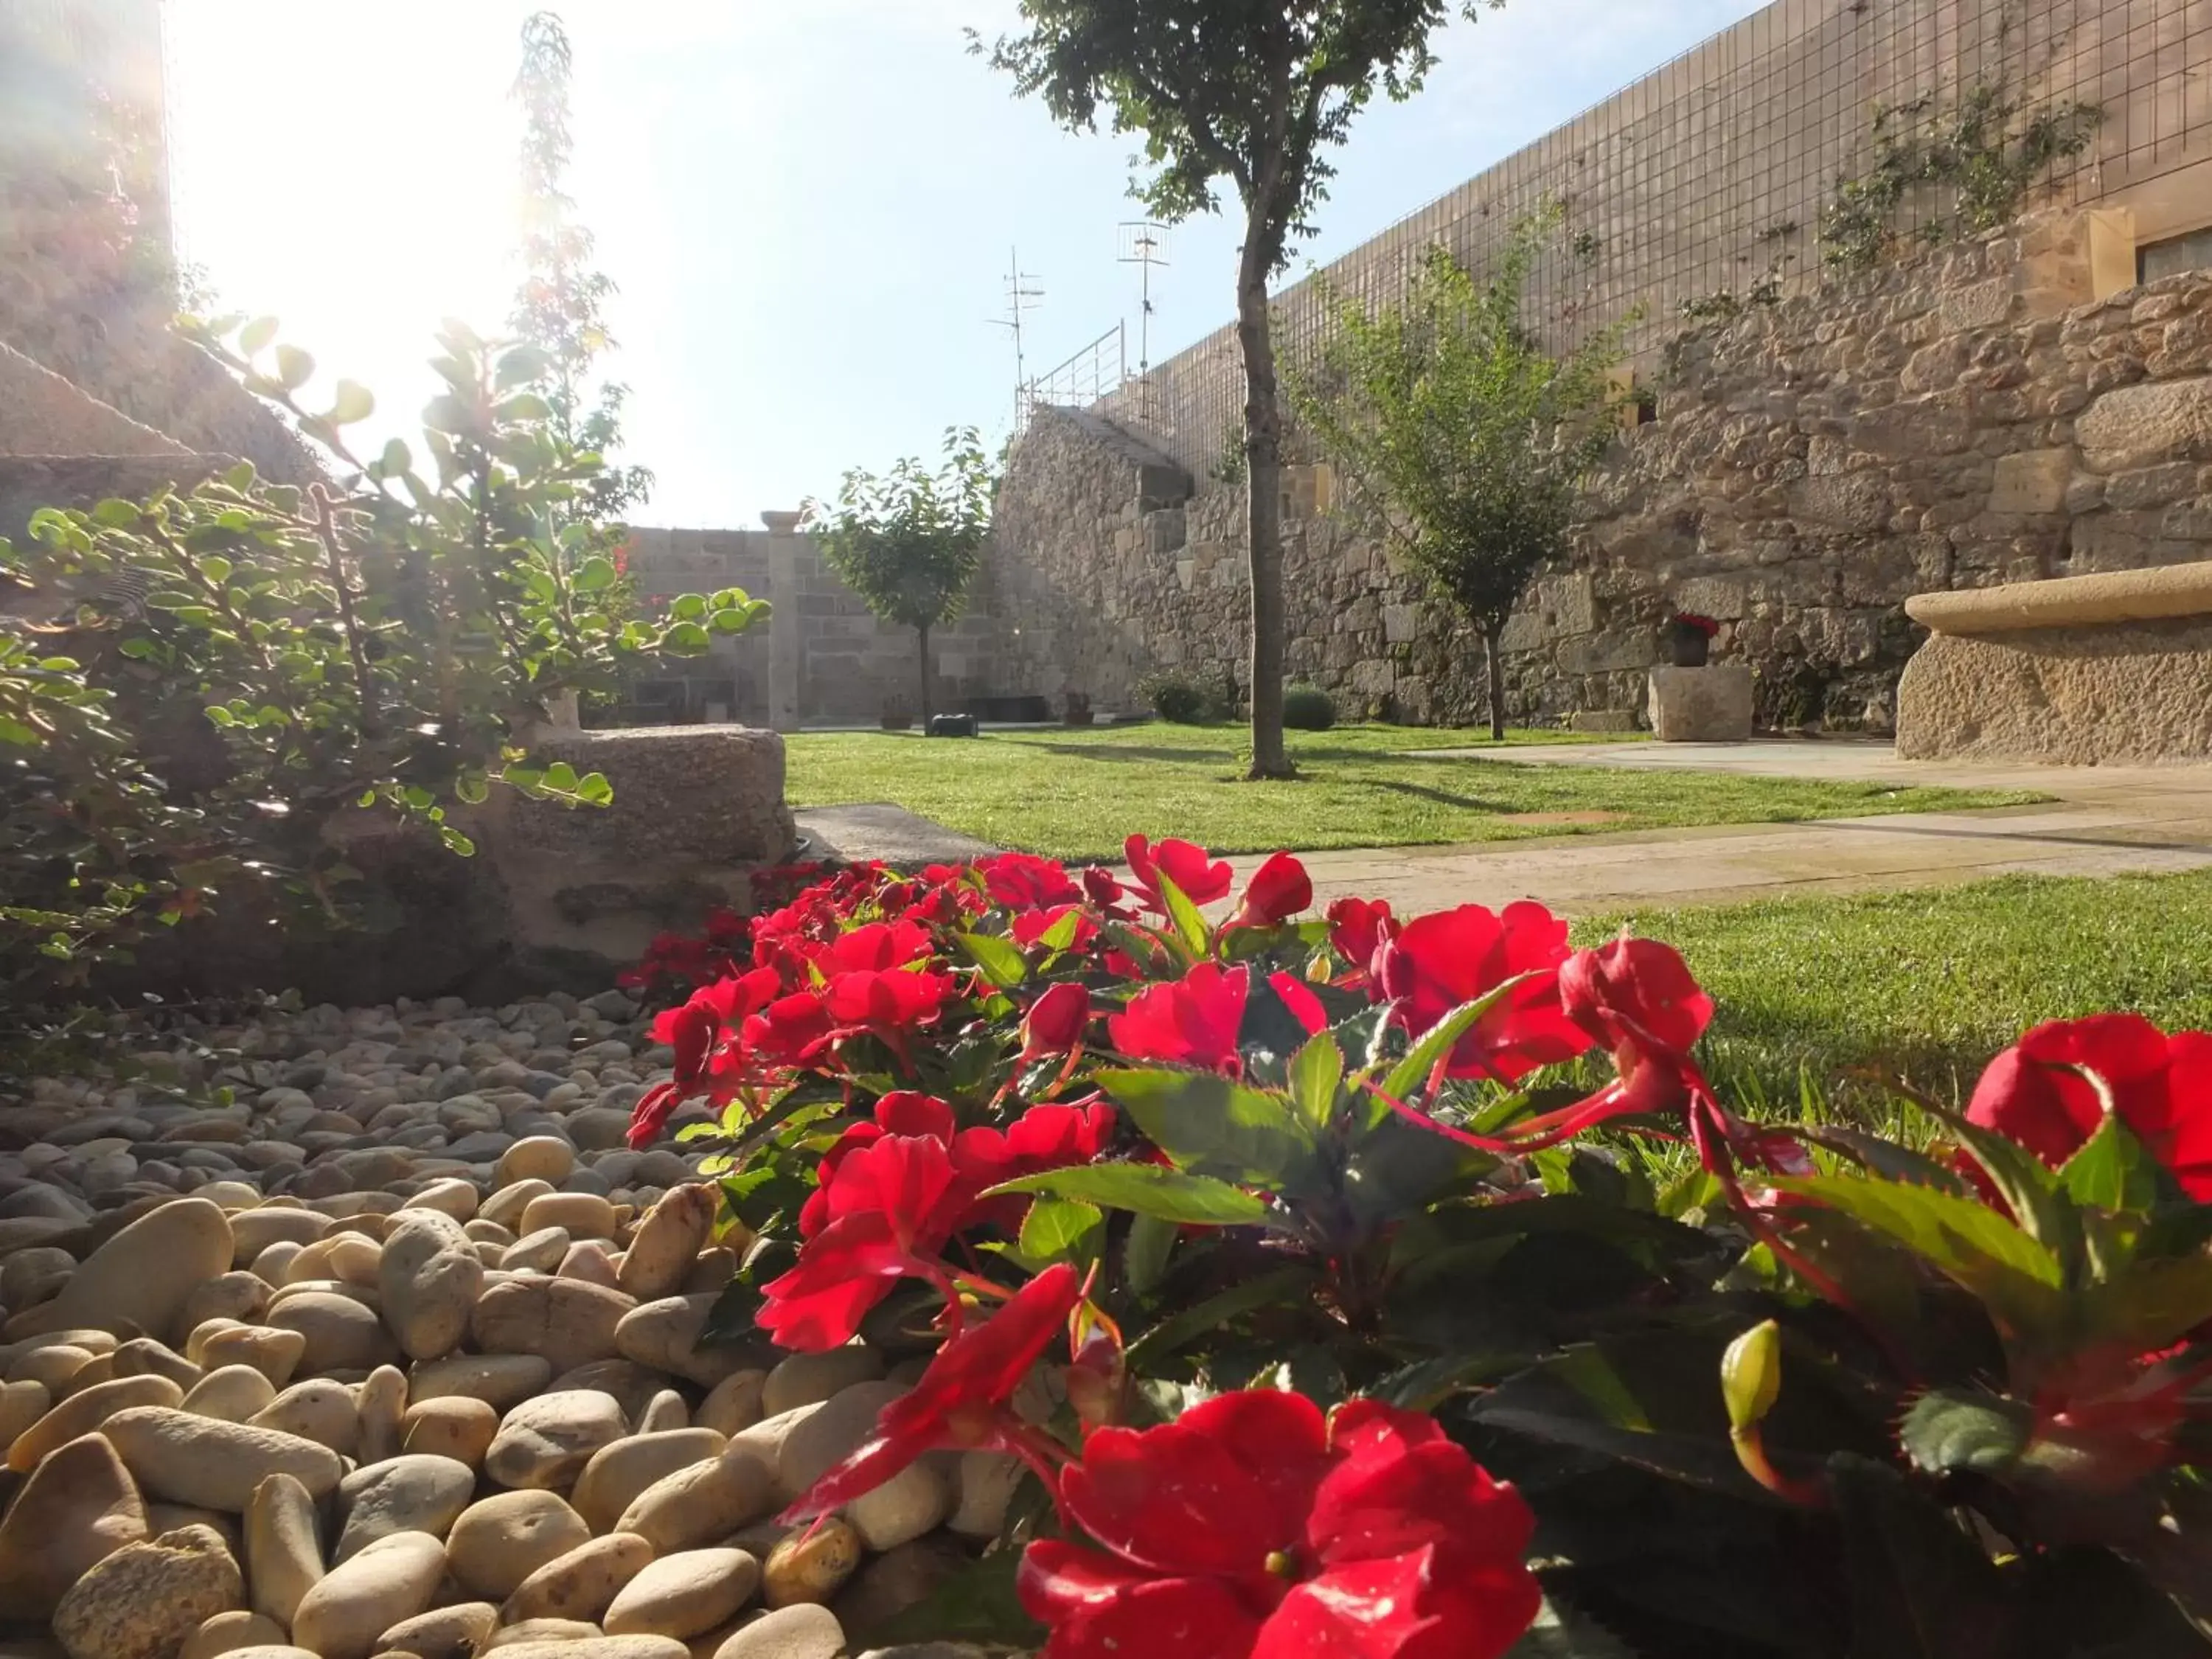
(1710, 178)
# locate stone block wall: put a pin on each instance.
(823, 658)
(1970, 417)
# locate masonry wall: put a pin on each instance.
(1712, 173)
(1970, 417)
(842, 666)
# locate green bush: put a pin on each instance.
(1308, 708)
(1180, 699)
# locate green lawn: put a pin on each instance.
(1079, 795)
(1932, 983)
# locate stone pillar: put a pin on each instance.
(786, 647)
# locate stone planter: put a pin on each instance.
(1701, 705)
(1687, 646)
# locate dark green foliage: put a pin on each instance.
(1180, 699)
(1309, 708)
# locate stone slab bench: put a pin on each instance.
(2112, 668)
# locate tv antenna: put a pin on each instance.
(1145, 244)
(1022, 295)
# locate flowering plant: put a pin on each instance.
(1365, 1284)
(1704, 625)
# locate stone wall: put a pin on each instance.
(823, 658)
(1974, 417)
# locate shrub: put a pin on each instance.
(1308, 708)
(1180, 699)
(378, 642)
(1355, 1201)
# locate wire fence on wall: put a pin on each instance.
(1711, 177)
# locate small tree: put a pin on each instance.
(1464, 440)
(558, 307)
(1255, 91)
(909, 542)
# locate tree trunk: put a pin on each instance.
(924, 631)
(1490, 637)
(1263, 456)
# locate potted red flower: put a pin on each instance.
(1689, 639)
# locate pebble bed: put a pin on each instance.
(397, 1354)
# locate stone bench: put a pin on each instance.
(2114, 668)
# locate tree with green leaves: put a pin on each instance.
(1256, 92)
(559, 308)
(909, 542)
(1465, 442)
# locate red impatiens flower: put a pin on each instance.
(1022, 881)
(1637, 998)
(1192, 1022)
(902, 1112)
(960, 1402)
(1253, 1527)
(887, 1216)
(2048, 1092)
(1279, 890)
(1031, 926)
(877, 947)
(1358, 929)
(1050, 1137)
(1298, 996)
(1054, 1022)
(1104, 890)
(1187, 865)
(805, 1028)
(1433, 964)
(695, 1030)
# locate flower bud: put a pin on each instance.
(1751, 1375)
(1055, 1020)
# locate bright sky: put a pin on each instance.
(807, 204)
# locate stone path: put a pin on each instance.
(2101, 821)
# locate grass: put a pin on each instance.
(1930, 984)
(1079, 795)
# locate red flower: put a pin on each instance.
(1054, 1022)
(695, 1030)
(960, 1402)
(1298, 996)
(1279, 890)
(1253, 1527)
(1022, 881)
(1637, 998)
(877, 947)
(1104, 890)
(1192, 1022)
(1436, 962)
(1182, 863)
(1031, 926)
(1358, 929)
(2044, 1093)
(889, 1212)
(902, 1112)
(1043, 1138)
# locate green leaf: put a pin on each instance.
(2150, 1305)
(294, 367)
(1060, 1229)
(735, 619)
(1190, 926)
(560, 777)
(456, 842)
(396, 457)
(1285, 1287)
(687, 637)
(593, 789)
(1148, 1190)
(15, 731)
(221, 716)
(593, 574)
(687, 607)
(2113, 1171)
(1000, 959)
(351, 401)
(1412, 1072)
(1210, 1126)
(2015, 1277)
(519, 366)
(2030, 1190)
(1920, 1587)
(523, 406)
(1145, 1253)
(255, 337)
(1317, 1071)
(1885, 1157)
(975, 1603)
(116, 513)
(215, 567)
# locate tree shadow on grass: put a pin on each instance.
(1443, 796)
(1132, 752)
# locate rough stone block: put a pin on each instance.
(1979, 307)
(1401, 624)
(2034, 481)
(1711, 596)
(1602, 720)
(2139, 425)
(1855, 501)
(1701, 705)
(2065, 696)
